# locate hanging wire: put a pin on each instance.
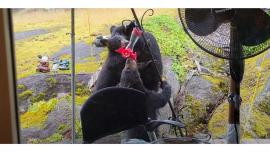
(151, 14)
(73, 72)
(139, 25)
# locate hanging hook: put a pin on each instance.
(151, 14)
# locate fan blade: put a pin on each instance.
(200, 21)
(253, 26)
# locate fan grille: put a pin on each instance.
(217, 42)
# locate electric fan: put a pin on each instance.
(233, 34)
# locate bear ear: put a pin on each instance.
(112, 28)
(129, 27)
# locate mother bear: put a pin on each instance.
(114, 64)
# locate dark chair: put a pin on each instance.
(113, 109)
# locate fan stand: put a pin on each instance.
(234, 99)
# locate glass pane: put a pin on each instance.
(91, 25)
(42, 50)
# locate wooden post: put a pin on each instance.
(9, 127)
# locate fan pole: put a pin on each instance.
(234, 99)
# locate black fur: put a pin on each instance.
(149, 75)
(111, 70)
(130, 77)
(114, 64)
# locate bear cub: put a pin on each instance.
(130, 78)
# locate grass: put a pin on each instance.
(172, 40)
(253, 122)
(37, 114)
(57, 21)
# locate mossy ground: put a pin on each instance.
(172, 41)
(88, 21)
(254, 123)
(36, 115)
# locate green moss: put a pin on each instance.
(172, 41)
(79, 100)
(218, 123)
(38, 97)
(193, 114)
(51, 81)
(103, 55)
(78, 129)
(24, 95)
(56, 137)
(264, 105)
(21, 87)
(86, 67)
(218, 83)
(37, 114)
(82, 90)
(261, 124)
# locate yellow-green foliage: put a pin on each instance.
(172, 41)
(88, 21)
(261, 124)
(79, 100)
(25, 95)
(78, 129)
(218, 83)
(82, 90)
(218, 123)
(21, 87)
(193, 113)
(50, 81)
(264, 105)
(39, 97)
(103, 55)
(37, 114)
(86, 67)
(253, 83)
(56, 137)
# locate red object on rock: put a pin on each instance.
(127, 53)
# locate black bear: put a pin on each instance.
(114, 64)
(149, 74)
(111, 70)
(130, 77)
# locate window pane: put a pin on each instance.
(42, 50)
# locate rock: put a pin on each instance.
(23, 106)
(202, 90)
(61, 115)
(203, 95)
(83, 50)
(50, 85)
(171, 77)
(34, 133)
(262, 101)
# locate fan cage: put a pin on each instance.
(218, 43)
